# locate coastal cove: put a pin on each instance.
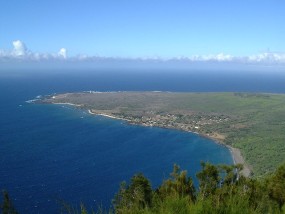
(81, 157)
(60, 152)
(230, 119)
(236, 154)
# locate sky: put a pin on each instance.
(196, 30)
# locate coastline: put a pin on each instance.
(238, 159)
(226, 117)
(235, 152)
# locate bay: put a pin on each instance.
(50, 153)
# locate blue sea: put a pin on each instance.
(55, 153)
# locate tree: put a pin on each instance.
(136, 195)
(7, 207)
(140, 190)
(178, 184)
(208, 179)
(276, 186)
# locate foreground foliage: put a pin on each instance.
(222, 189)
(7, 206)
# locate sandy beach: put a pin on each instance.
(238, 159)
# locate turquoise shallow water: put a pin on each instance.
(55, 152)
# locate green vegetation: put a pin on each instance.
(253, 123)
(7, 206)
(222, 190)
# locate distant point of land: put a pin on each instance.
(250, 124)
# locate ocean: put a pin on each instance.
(51, 154)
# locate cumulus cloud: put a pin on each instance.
(19, 48)
(268, 57)
(265, 58)
(62, 53)
(21, 52)
(221, 57)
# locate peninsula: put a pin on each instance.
(251, 125)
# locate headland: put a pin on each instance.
(241, 121)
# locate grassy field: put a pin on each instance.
(254, 123)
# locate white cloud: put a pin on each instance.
(265, 58)
(268, 57)
(19, 48)
(62, 53)
(219, 57)
(224, 57)
(21, 52)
